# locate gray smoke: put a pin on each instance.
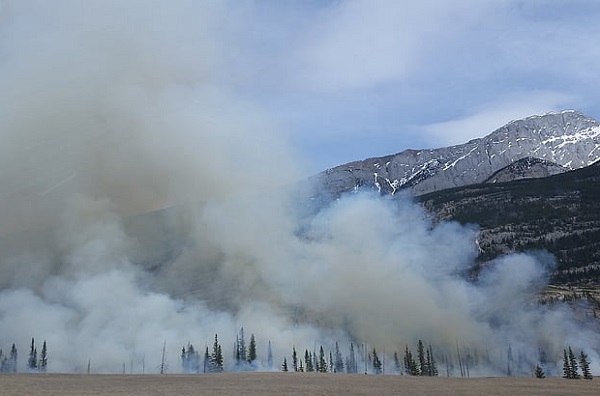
(112, 111)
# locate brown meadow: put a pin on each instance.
(285, 384)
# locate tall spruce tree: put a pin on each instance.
(423, 369)
(574, 365)
(351, 365)
(338, 366)
(294, 359)
(397, 363)
(410, 365)
(432, 370)
(190, 359)
(308, 363)
(217, 356)
(32, 362)
(270, 355)
(43, 365)
(284, 365)
(241, 347)
(377, 366)
(13, 359)
(509, 361)
(207, 362)
(585, 365)
(539, 372)
(183, 356)
(321, 363)
(567, 371)
(252, 349)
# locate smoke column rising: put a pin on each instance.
(111, 110)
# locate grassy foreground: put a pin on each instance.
(285, 384)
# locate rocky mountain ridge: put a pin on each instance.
(561, 141)
(526, 168)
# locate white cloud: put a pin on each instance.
(357, 44)
(482, 120)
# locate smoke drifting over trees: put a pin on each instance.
(110, 110)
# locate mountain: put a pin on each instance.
(526, 168)
(560, 214)
(552, 143)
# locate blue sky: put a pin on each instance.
(354, 79)
(342, 80)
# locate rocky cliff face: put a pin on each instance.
(562, 141)
(526, 168)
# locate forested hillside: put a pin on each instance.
(559, 213)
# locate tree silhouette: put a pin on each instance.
(32, 362)
(539, 372)
(43, 365)
(284, 366)
(252, 349)
(294, 359)
(585, 365)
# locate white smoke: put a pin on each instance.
(111, 110)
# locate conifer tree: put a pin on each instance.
(294, 359)
(190, 359)
(239, 348)
(509, 363)
(252, 349)
(377, 366)
(270, 355)
(284, 365)
(423, 369)
(321, 364)
(308, 364)
(300, 367)
(183, 356)
(193, 359)
(567, 371)
(432, 370)
(331, 368)
(217, 356)
(207, 362)
(574, 365)
(236, 350)
(351, 366)
(338, 366)
(396, 362)
(32, 362)
(13, 359)
(410, 365)
(43, 365)
(585, 365)
(539, 372)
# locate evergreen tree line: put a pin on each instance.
(211, 362)
(572, 365)
(359, 359)
(335, 362)
(35, 363)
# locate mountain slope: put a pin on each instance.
(559, 213)
(568, 139)
(526, 168)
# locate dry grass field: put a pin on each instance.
(285, 384)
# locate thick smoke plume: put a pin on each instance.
(144, 200)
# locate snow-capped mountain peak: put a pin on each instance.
(564, 140)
